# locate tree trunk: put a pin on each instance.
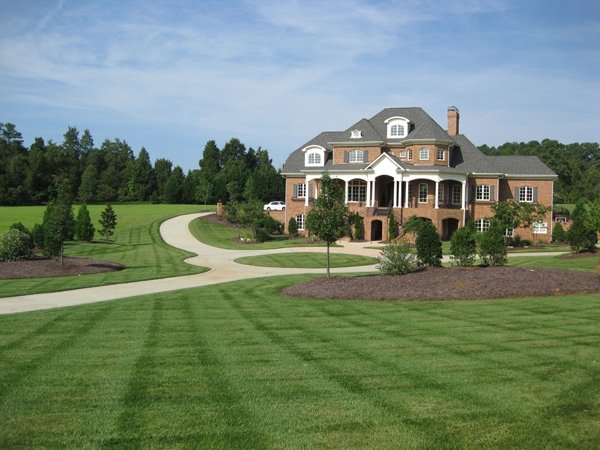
(328, 274)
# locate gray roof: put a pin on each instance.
(466, 157)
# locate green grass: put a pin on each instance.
(241, 366)
(227, 237)
(137, 245)
(306, 260)
(584, 262)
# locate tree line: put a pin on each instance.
(112, 173)
(577, 165)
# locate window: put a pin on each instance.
(357, 191)
(314, 158)
(300, 221)
(483, 192)
(525, 194)
(300, 190)
(456, 194)
(397, 130)
(423, 191)
(424, 154)
(440, 194)
(540, 228)
(356, 156)
(397, 127)
(440, 154)
(509, 232)
(410, 155)
(403, 154)
(482, 225)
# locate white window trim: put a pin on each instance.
(352, 156)
(539, 227)
(483, 192)
(357, 191)
(424, 151)
(457, 188)
(395, 121)
(526, 194)
(314, 150)
(426, 191)
(438, 151)
(298, 187)
(482, 225)
(300, 221)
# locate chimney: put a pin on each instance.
(453, 116)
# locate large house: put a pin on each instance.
(402, 162)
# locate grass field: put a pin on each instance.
(239, 366)
(136, 244)
(584, 262)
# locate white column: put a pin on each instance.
(437, 191)
(395, 202)
(346, 185)
(307, 193)
(406, 195)
(369, 194)
(464, 195)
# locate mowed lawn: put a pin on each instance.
(239, 366)
(137, 245)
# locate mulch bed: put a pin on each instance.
(459, 283)
(47, 267)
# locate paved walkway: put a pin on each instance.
(176, 232)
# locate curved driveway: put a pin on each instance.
(176, 232)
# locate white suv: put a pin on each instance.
(274, 206)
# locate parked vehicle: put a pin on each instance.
(274, 206)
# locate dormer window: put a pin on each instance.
(314, 156)
(355, 134)
(397, 127)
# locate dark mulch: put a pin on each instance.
(47, 267)
(460, 283)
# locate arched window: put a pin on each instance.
(314, 158)
(424, 154)
(397, 127)
(357, 191)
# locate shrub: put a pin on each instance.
(262, 235)
(358, 227)
(582, 234)
(14, 246)
(392, 229)
(429, 245)
(491, 245)
(559, 234)
(293, 227)
(37, 236)
(396, 259)
(23, 229)
(270, 224)
(463, 245)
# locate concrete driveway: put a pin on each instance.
(176, 232)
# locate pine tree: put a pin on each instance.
(108, 222)
(84, 229)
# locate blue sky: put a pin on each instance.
(170, 76)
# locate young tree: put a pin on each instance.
(511, 214)
(463, 245)
(251, 215)
(397, 259)
(558, 233)
(358, 227)
(582, 234)
(84, 229)
(491, 245)
(429, 244)
(293, 227)
(59, 222)
(328, 218)
(392, 228)
(108, 222)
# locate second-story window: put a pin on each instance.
(410, 154)
(456, 194)
(440, 154)
(356, 156)
(483, 192)
(424, 154)
(525, 194)
(300, 190)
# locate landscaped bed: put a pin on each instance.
(461, 283)
(49, 267)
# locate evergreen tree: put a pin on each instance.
(293, 227)
(328, 217)
(59, 222)
(429, 244)
(491, 245)
(174, 186)
(392, 228)
(108, 222)
(559, 234)
(84, 230)
(582, 234)
(463, 245)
